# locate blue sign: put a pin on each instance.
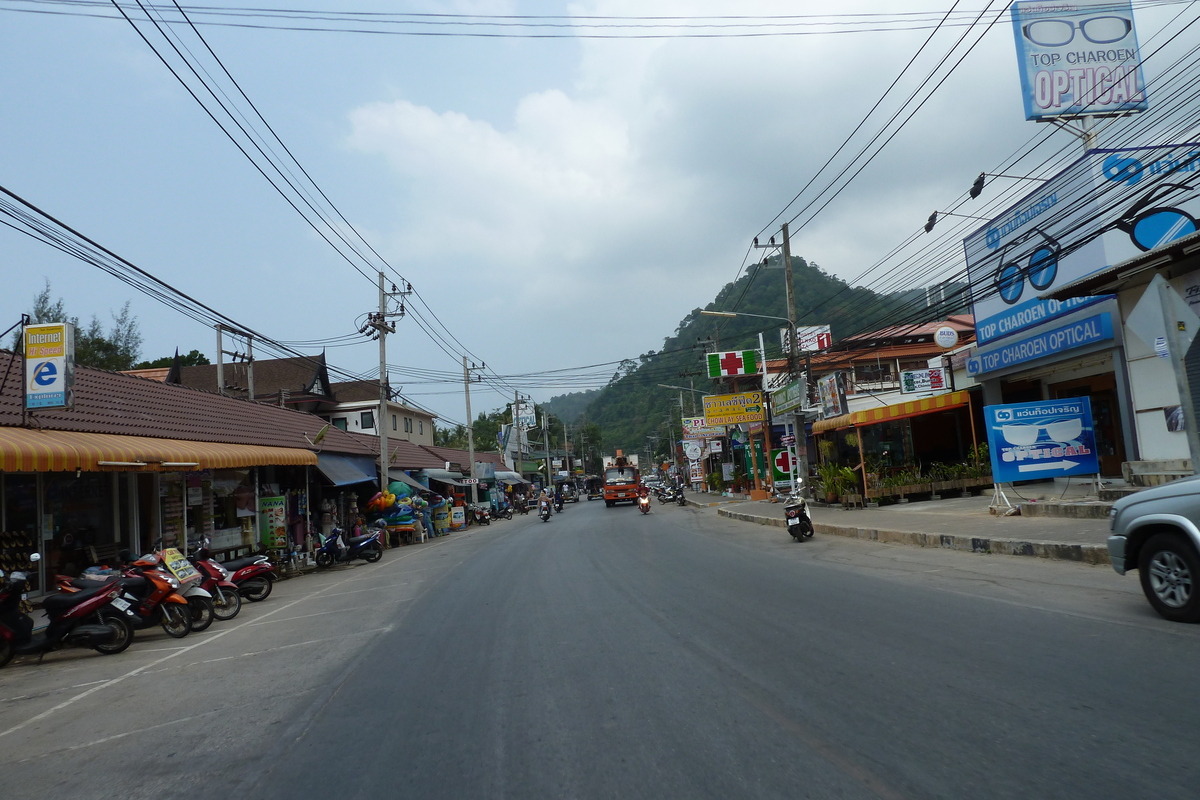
(1051, 439)
(1086, 331)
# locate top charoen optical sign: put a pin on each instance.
(1078, 58)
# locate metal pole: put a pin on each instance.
(380, 427)
(220, 363)
(791, 305)
(546, 444)
(470, 430)
(250, 366)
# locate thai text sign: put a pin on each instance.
(1049, 439)
(1107, 207)
(179, 566)
(790, 397)
(1086, 331)
(272, 521)
(49, 366)
(1078, 58)
(812, 338)
(731, 409)
(737, 362)
(697, 428)
(924, 380)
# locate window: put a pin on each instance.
(368, 419)
(339, 423)
(393, 422)
(421, 426)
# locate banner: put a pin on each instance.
(738, 362)
(812, 338)
(1051, 439)
(732, 409)
(1078, 58)
(49, 366)
(1107, 207)
(924, 380)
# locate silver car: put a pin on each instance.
(1157, 532)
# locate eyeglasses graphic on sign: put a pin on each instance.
(1067, 430)
(1059, 32)
(1041, 268)
(1150, 225)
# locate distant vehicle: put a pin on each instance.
(569, 492)
(595, 488)
(1157, 532)
(620, 482)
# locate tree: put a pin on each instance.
(455, 437)
(193, 359)
(117, 349)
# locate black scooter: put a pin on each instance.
(799, 523)
(544, 511)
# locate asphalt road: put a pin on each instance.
(610, 654)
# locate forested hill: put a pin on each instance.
(634, 406)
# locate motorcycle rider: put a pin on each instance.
(543, 500)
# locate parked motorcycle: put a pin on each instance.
(254, 576)
(215, 579)
(799, 523)
(679, 498)
(92, 618)
(644, 504)
(337, 550)
(481, 515)
(505, 511)
(153, 594)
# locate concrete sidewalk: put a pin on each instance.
(956, 524)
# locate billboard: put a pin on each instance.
(1078, 58)
(1108, 206)
(697, 428)
(833, 395)
(49, 366)
(732, 409)
(812, 338)
(924, 380)
(1050, 439)
(737, 362)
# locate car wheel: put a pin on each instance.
(1169, 569)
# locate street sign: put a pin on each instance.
(788, 439)
(692, 449)
(1050, 439)
(736, 362)
(469, 481)
(790, 397)
(781, 465)
(731, 409)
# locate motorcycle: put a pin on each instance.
(506, 512)
(799, 523)
(644, 504)
(679, 498)
(215, 579)
(544, 511)
(667, 495)
(481, 515)
(92, 618)
(334, 550)
(153, 596)
(558, 504)
(254, 576)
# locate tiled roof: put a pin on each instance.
(368, 390)
(963, 323)
(405, 454)
(112, 402)
(292, 375)
(153, 373)
(461, 457)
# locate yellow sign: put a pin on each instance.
(732, 409)
(174, 560)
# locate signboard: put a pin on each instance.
(1086, 331)
(737, 362)
(790, 397)
(1078, 58)
(272, 521)
(49, 366)
(781, 465)
(727, 471)
(696, 470)
(924, 380)
(1107, 207)
(833, 395)
(179, 566)
(716, 446)
(692, 449)
(732, 409)
(812, 338)
(469, 481)
(1050, 439)
(527, 415)
(458, 517)
(788, 439)
(697, 428)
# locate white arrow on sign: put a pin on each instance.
(1064, 465)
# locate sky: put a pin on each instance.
(555, 202)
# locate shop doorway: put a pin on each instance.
(1102, 391)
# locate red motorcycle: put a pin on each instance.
(254, 576)
(93, 618)
(226, 598)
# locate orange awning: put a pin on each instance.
(30, 450)
(911, 409)
(833, 423)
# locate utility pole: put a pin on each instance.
(546, 443)
(470, 425)
(378, 322)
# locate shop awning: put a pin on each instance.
(403, 477)
(29, 450)
(833, 423)
(346, 470)
(916, 408)
(444, 476)
(511, 478)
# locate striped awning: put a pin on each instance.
(30, 450)
(833, 423)
(914, 408)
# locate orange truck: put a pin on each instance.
(620, 480)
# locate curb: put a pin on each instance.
(1061, 551)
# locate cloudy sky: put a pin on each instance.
(555, 201)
